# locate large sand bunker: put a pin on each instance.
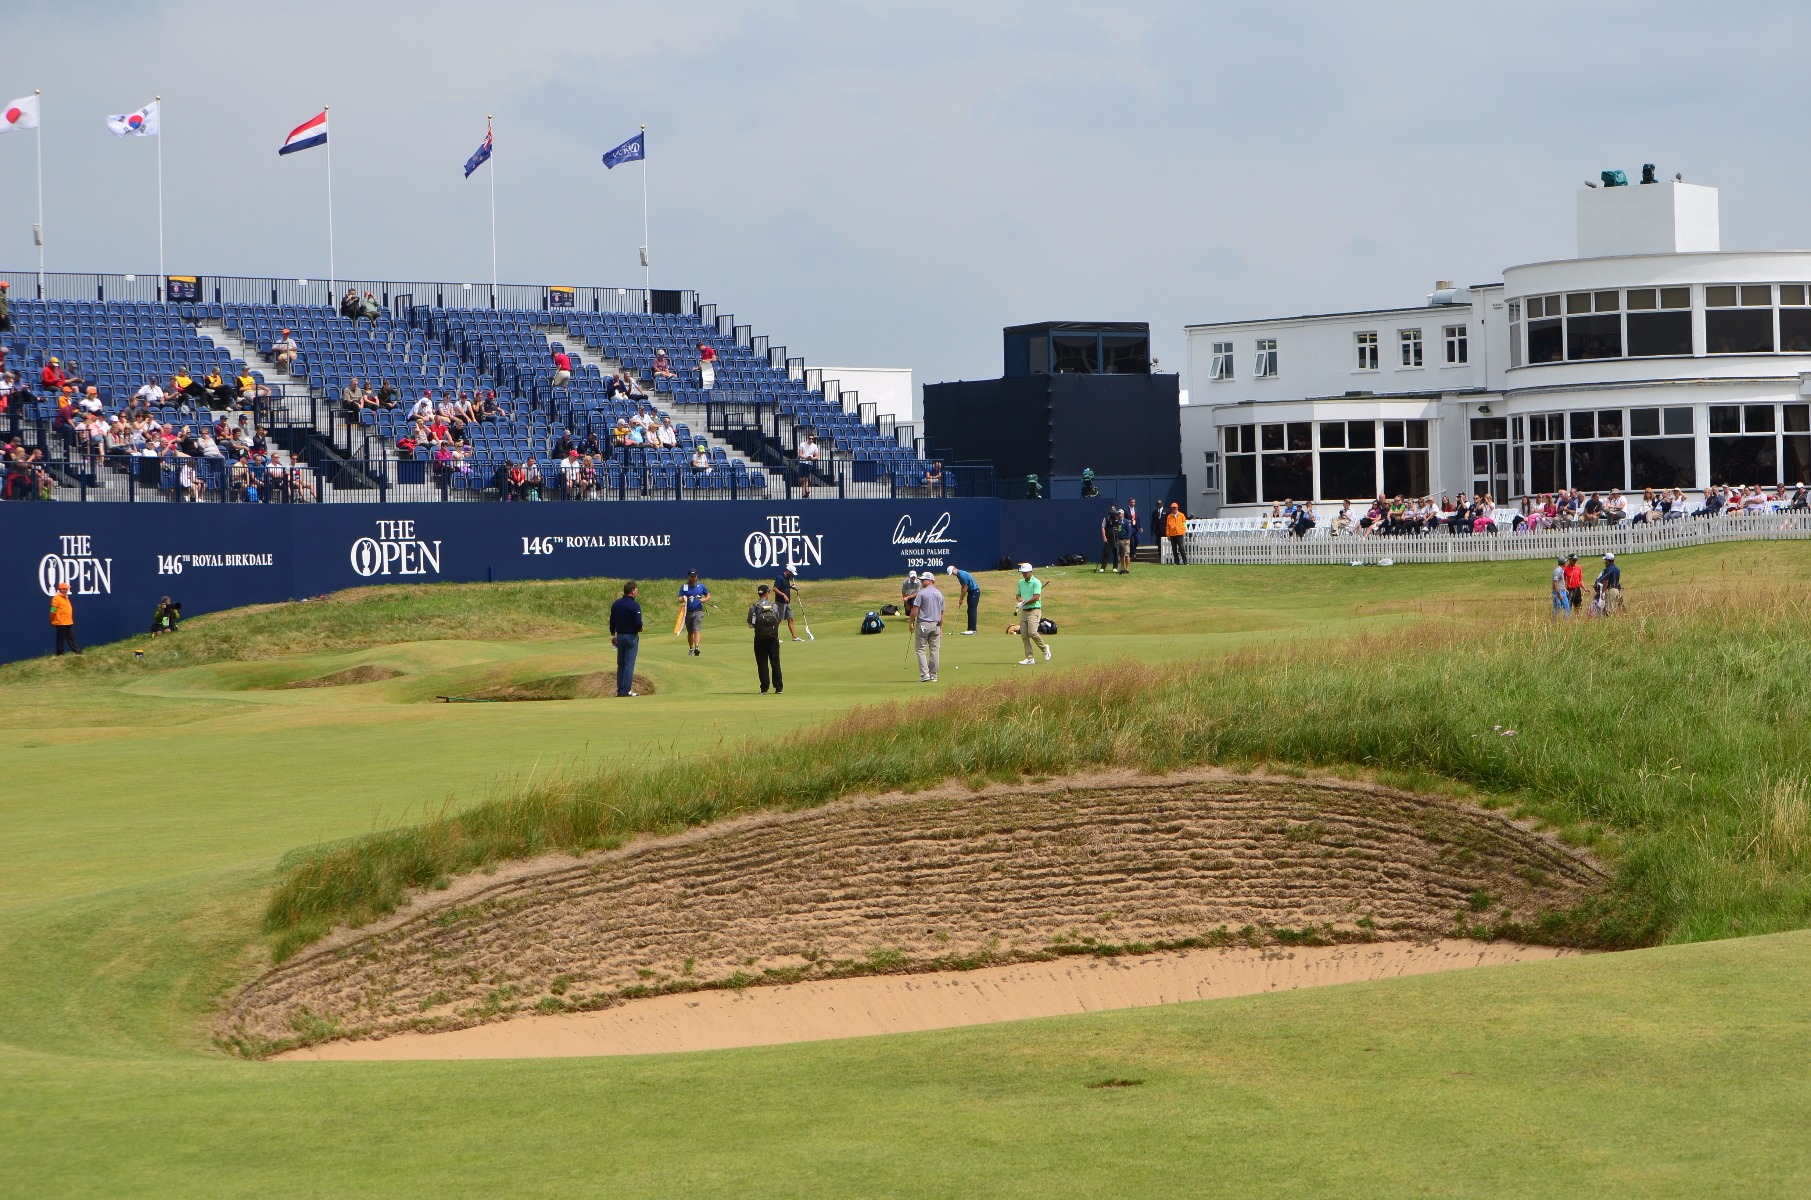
(950, 879)
(838, 1008)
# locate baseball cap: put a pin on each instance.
(1609, 558)
(952, 568)
(62, 587)
(1025, 566)
(926, 575)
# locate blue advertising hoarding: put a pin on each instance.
(120, 559)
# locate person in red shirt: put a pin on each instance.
(1575, 581)
(562, 368)
(52, 377)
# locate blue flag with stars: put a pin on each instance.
(630, 151)
(479, 157)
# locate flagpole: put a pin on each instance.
(490, 141)
(333, 282)
(163, 279)
(39, 94)
(647, 257)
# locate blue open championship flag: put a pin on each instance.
(479, 157)
(631, 150)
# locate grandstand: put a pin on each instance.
(761, 407)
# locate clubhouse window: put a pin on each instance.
(1738, 319)
(1239, 454)
(1659, 321)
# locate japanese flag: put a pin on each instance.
(20, 114)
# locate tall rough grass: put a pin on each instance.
(1674, 738)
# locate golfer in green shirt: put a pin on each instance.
(1031, 610)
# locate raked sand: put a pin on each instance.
(812, 1011)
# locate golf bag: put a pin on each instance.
(872, 623)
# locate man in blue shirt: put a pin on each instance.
(971, 596)
(1609, 586)
(625, 635)
(784, 587)
(692, 595)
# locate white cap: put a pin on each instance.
(1609, 558)
(1026, 567)
(927, 575)
(952, 568)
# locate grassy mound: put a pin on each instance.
(351, 676)
(587, 686)
(1674, 741)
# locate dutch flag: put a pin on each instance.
(307, 135)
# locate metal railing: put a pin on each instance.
(252, 289)
(1275, 546)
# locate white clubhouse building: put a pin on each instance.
(1653, 359)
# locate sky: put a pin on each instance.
(890, 184)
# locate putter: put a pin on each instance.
(806, 621)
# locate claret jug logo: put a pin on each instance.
(395, 551)
(782, 543)
(76, 565)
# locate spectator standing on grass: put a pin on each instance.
(1175, 528)
(625, 635)
(1109, 535)
(62, 620)
(764, 618)
(1562, 604)
(1609, 585)
(927, 627)
(1575, 582)
(1130, 529)
(908, 594)
(692, 596)
(784, 589)
(1031, 610)
(971, 597)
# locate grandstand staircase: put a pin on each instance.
(693, 416)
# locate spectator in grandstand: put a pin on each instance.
(6, 306)
(1615, 509)
(807, 459)
(349, 304)
(590, 445)
(149, 395)
(369, 308)
(352, 399)
(51, 379)
(1175, 528)
(562, 368)
(569, 473)
(489, 409)
(625, 635)
(587, 477)
(663, 366)
(209, 447)
(247, 384)
(619, 433)
(532, 479)
(238, 479)
(189, 480)
(423, 406)
(441, 460)
(701, 459)
(669, 436)
(631, 389)
(563, 446)
(707, 366)
(219, 391)
(387, 395)
(692, 598)
(640, 418)
(933, 479)
(284, 350)
(638, 434)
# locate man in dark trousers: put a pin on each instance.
(1109, 540)
(62, 620)
(764, 618)
(625, 635)
(971, 596)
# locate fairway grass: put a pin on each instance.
(148, 803)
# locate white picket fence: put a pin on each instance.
(1208, 545)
